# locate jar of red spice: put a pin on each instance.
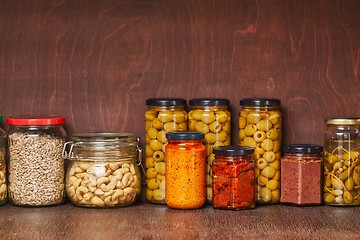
(233, 178)
(301, 174)
(185, 165)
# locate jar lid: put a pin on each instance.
(342, 121)
(184, 135)
(302, 148)
(26, 120)
(233, 151)
(102, 137)
(165, 102)
(209, 102)
(260, 102)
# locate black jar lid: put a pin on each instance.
(302, 148)
(233, 151)
(184, 135)
(260, 102)
(209, 102)
(166, 102)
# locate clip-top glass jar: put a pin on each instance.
(233, 178)
(341, 162)
(185, 170)
(163, 115)
(301, 174)
(211, 117)
(36, 166)
(260, 128)
(103, 171)
(3, 182)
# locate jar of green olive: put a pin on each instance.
(211, 117)
(260, 129)
(3, 182)
(341, 162)
(163, 115)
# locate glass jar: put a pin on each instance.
(36, 166)
(185, 182)
(103, 171)
(211, 117)
(301, 175)
(163, 115)
(341, 162)
(233, 178)
(260, 128)
(3, 182)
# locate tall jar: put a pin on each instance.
(3, 182)
(341, 162)
(103, 170)
(233, 178)
(36, 166)
(185, 170)
(260, 128)
(211, 117)
(163, 115)
(301, 174)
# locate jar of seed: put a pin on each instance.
(260, 128)
(103, 171)
(163, 115)
(36, 166)
(341, 162)
(3, 182)
(211, 117)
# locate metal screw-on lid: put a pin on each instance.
(302, 148)
(233, 151)
(184, 135)
(342, 121)
(165, 102)
(209, 102)
(260, 102)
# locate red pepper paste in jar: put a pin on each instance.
(233, 178)
(301, 174)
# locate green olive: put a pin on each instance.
(242, 123)
(249, 142)
(262, 181)
(221, 116)
(268, 172)
(152, 133)
(275, 195)
(269, 156)
(253, 117)
(261, 163)
(165, 116)
(202, 127)
(179, 116)
(215, 127)
(153, 184)
(150, 115)
(156, 123)
(196, 115)
(171, 126)
(274, 117)
(149, 162)
(208, 117)
(223, 136)
(161, 136)
(151, 173)
(264, 125)
(192, 124)
(272, 184)
(250, 130)
(273, 134)
(265, 194)
(267, 145)
(156, 145)
(158, 195)
(160, 167)
(210, 138)
(259, 136)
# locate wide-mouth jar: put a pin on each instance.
(3, 174)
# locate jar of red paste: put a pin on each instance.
(233, 178)
(301, 174)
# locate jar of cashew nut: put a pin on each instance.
(3, 182)
(211, 117)
(260, 128)
(163, 115)
(103, 170)
(36, 166)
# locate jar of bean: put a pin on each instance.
(341, 162)
(211, 117)
(103, 170)
(185, 170)
(233, 178)
(260, 129)
(163, 115)
(3, 182)
(36, 166)
(301, 174)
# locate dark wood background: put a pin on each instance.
(97, 61)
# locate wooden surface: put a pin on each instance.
(96, 62)
(146, 221)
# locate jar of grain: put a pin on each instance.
(36, 166)
(3, 182)
(103, 171)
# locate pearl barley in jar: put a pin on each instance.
(163, 115)
(36, 166)
(260, 128)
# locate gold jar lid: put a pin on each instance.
(342, 121)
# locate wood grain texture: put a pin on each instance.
(96, 62)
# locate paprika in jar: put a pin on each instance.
(260, 128)
(233, 178)
(185, 182)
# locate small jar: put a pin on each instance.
(260, 128)
(301, 174)
(211, 117)
(36, 166)
(3, 182)
(233, 178)
(163, 115)
(185, 182)
(341, 162)
(103, 171)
